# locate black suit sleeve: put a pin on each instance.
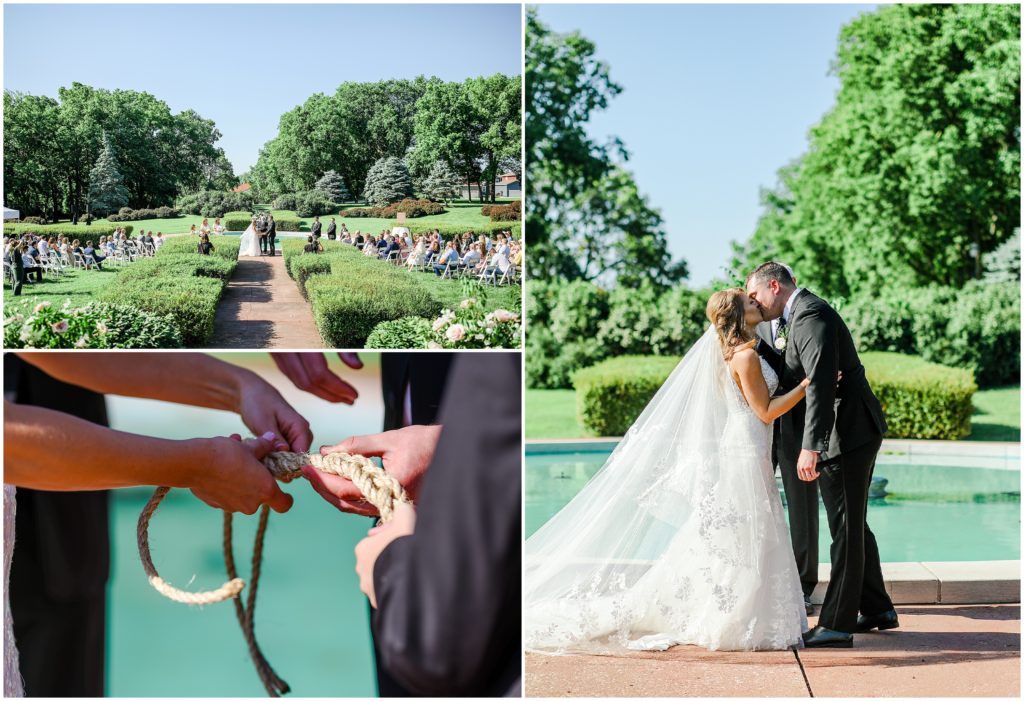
(448, 619)
(816, 347)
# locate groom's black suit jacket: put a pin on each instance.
(833, 419)
(449, 596)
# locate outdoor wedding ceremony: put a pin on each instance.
(773, 350)
(286, 199)
(376, 476)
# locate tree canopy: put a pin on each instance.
(586, 218)
(917, 163)
(51, 145)
(472, 126)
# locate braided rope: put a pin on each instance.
(377, 486)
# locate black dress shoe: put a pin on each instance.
(886, 620)
(808, 606)
(819, 636)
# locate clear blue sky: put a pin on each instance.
(245, 65)
(715, 99)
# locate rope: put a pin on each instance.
(377, 486)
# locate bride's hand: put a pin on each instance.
(263, 410)
(228, 475)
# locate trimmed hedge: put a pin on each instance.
(178, 283)
(503, 212)
(72, 230)
(215, 203)
(611, 394)
(352, 294)
(129, 214)
(411, 332)
(448, 231)
(920, 399)
(412, 208)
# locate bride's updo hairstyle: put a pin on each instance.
(725, 312)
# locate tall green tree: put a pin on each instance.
(333, 186)
(917, 163)
(585, 217)
(388, 181)
(107, 192)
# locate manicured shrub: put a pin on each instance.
(611, 394)
(312, 204)
(33, 220)
(347, 308)
(225, 247)
(285, 200)
(70, 230)
(504, 212)
(129, 214)
(289, 224)
(236, 223)
(410, 332)
(410, 207)
(921, 399)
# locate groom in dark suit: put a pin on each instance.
(272, 235)
(834, 435)
(801, 497)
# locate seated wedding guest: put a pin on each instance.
(434, 251)
(29, 263)
(218, 228)
(382, 243)
(344, 229)
(345, 238)
(313, 245)
(358, 240)
(332, 230)
(192, 231)
(91, 254)
(392, 246)
(205, 247)
(498, 264)
(472, 258)
(44, 248)
(76, 249)
(158, 241)
(450, 256)
(517, 254)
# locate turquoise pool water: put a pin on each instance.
(931, 512)
(311, 619)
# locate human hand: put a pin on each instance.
(228, 475)
(308, 371)
(405, 452)
(806, 464)
(264, 410)
(379, 537)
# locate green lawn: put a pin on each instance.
(551, 413)
(460, 213)
(996, 415)
(77, 285)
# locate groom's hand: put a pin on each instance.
(806, 465)
(405, 452)
(379, 538)
(309, 372)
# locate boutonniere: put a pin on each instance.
(781, 338)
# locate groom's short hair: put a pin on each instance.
(772, 271)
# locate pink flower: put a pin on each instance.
(503, 315)
(60, 327)
(455, 333)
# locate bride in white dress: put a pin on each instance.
(680, 538)
(250, 244)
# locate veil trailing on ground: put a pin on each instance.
(671, 497)
(249, 244)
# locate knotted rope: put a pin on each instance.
(377, 486)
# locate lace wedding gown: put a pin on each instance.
(249, 245)
(680, 538)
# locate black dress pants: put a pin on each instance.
(802, 504)
(856, 583)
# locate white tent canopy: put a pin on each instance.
(11, 214)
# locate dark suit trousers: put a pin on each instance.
(856, 582)
(263, 244)
(802, 504)
(271, 243)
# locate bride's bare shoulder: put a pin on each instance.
(744, 358)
